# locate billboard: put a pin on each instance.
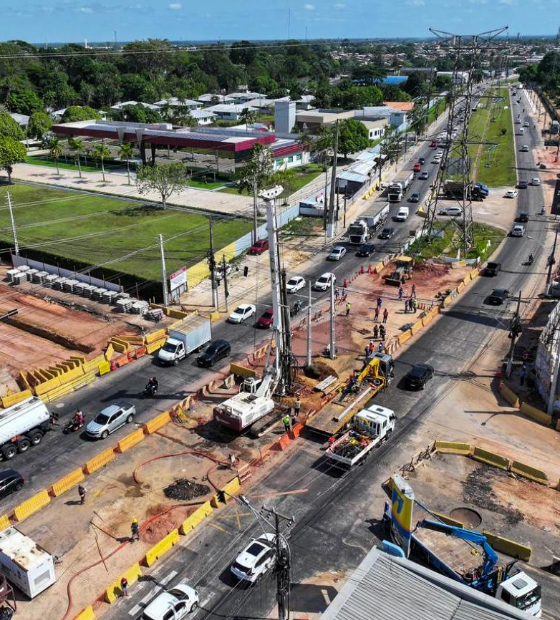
(178, 279)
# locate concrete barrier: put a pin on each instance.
(31, 506)
(509, 547)
(85, 614)
(155, 346)
(66, 483)
(460, 287)
(232, 487)
(104, 368)
(536, 414)
(509, 395)
(131, 440)
(14, 399)
(242, 371)
(162, 547)
(196, 518)
(529, 472)
(453, 447)
(109, 352)
(99, 461)
(490, 458)
(114, 591)
(4, 522)
(402, 338)
(158, 422)
(416, 327)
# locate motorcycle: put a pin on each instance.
(150, 390)
(295, 309)
(72, 427)
(530, 260)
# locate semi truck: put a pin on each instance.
(399, 185)
(22, 426)
(377, 217)
(455, 190)
(193, 333)
(459, 553)
(360, 231)
(369, 428)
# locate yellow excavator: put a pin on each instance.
(403, 268)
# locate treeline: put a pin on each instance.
(546, 74)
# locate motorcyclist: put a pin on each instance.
(531, 258)
(543, 210)
(152, 385)
(79, 418)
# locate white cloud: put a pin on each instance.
(309, 7)
(85, 9)
(416, 3)
(340, 5)
(175, 6)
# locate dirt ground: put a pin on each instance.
(507, 504)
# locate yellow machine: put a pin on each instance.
(403, 268)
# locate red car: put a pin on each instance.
(266, 319)
(433, 144)
(417, 167)
(259, 247)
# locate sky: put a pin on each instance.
(39, 21)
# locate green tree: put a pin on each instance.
(287, 179)
(182, 116)
(248, 117)
(24, 101)
(9, 128)
(101, 152)
(352, 136)
(39, 124)
(76, 113)
(55, 151)
(11, 152)
(165, 179)
(126, 151)
(140, 114)
(77, 147)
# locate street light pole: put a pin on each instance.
(163, 272)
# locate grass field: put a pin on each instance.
(97, 230)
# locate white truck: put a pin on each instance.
(193, 333)
(399, 185)
(358, 232)
(402, 214)
(22, 426)
(369, 428)
(253, 402)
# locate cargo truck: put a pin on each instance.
(369, 428)
(193, 333)
(455, 189)
(376, 218)
(22, 426)
(399, 185)
(358, 232)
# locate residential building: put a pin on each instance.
(313, 120)
(229, 111)
(244, 97)
(203, 117)
(209, 99)
(21, 119)
(376, 127)
(175, 102)
(124, 104)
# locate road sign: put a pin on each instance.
(178, 279)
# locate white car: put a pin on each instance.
(242, 312)
(524, 149)
(337, 253)
(295, 284)
(453, 211)
(511, 193)
(172, 604)
(256, 559)
(518, 230)
(535, 181)
(324, 282)
(526, 124)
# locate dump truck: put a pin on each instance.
(369, 428)
(403, 269)
(193, 333)
(455, 190)
(22, 426)
(399, 185)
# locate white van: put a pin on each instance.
(521, 131)
(402, 215)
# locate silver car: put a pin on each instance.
(110, 419)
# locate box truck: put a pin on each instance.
(22, 426)
(193, 333)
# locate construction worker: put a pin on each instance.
(124, 586)
(375, 332)
(82, 494)
(376, 315)
(401, 292)
(382, 332)
(385, 315)
(134, 530)
(297, 407)
(287, 423)
(413, 291)
(381, 347)
(348, 306)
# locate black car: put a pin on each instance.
(492, 269)
(523, 185)
(421, 160)
(523, 217)
(366, 250)
(215, 351)
(498, 296)
(10, 482)
(419, 375)
(387, 233)
(414, 197)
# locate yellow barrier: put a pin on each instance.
(155, 346)
(448, 520)
(196, 518)
(215, 316)
(452, 447)
(242, 371)
(113, 592)
(47, 386)
(131, 440)
(104, 368)
(473, 274)
(110, 351)
(491, 458)
(466, 280)
(529, 472)
(163, 546)
(404, 336)
(32, 505)
(379, 267)
(85, 614)
(447, 301)
(460, 287)
(157, 335)
(509, 395)
(4, 522)
(57, 393)
(66, 483)
(416, 327)
(232, 487)
(536, 414)
(14, 399)
(119, 346)
(509, 547)
(154, 425)
(93, 365)
(99, 461)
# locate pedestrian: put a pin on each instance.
(376, 315)
(379, 302)
(382, 332)
(287, 425)
(134, 530)
(522, 376)
(336, 293)
(124, 586)
(347, 308)
(366, 353)
(297, 406)
(376, 332)
(82, 494)
(385, 315)
(371, 346)
(413, 305)
(344, 292)
(413, 291)
(401, 292)
(381, 347)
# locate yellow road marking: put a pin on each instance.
(218, 527)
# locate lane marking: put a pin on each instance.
(218, 527)
(152, 593)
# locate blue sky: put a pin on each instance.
(96, 20)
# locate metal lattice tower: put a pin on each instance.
(456, 164)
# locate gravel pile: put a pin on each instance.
(185, 489)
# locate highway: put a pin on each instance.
(336, 522)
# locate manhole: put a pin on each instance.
(467, 516)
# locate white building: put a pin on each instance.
(203, 117)
(175, 102)
(229, 111)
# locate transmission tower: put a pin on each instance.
(455, 167)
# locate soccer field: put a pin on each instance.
(81, 229)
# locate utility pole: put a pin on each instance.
(283, 567)
(309, 312)
(275, 284)
(14, 232)
(330, 220)
(514, 331)
(255, 210)
(286, 357)
(212, 265)
(551, 259)
(332, 351)
(226, 291)
(163, 271)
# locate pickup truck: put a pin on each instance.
(368, 429)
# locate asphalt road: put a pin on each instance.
(335, 535)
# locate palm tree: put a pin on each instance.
(247, 117)
(77, 147)
(55, 151)
(101, 153)
(183, 117)
(125, 152)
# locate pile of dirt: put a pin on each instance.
(319, 371)
(185, 489)
(478, 491)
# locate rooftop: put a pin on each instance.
(21, 549)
